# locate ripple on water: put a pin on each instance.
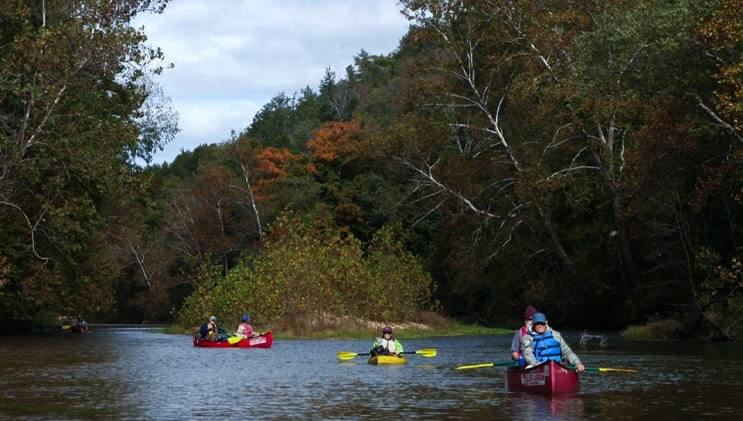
(136, 374)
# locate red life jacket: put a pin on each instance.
(247, 330)
(524, 331)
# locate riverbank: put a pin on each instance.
(329, 327)
(690, 327)
(659, 330)
(411, 331)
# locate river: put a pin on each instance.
(136, 373)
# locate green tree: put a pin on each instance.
(76, 118)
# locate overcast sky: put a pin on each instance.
(233, 56)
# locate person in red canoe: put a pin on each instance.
(211, 331)
(547, 344)
(80, 326)
(244, 329)
(525, 330)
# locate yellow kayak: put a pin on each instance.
(387, 359)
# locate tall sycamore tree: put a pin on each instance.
(76, 113)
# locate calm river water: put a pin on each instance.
(142, 374)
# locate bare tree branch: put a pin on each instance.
(727, 126)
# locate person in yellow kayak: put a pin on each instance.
(387, 344)
(244, 329)
(547, 344)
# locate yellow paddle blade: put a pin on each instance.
(66, 327)
(467, 367)
(624, 370)
(234, 339)
(345, 356)
(428, 352)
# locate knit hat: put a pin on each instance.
(530, 312)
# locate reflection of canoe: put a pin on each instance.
(387, 359)
(548, 378)
(261, 341)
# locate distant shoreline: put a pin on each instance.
(420, 331)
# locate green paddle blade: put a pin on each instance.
(234, 339)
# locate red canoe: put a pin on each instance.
(261, 341)
(547, 378)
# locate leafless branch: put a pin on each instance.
(727, 126)
(32, 227)
(428, 175)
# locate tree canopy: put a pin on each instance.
(580, 156)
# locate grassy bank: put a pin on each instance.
(657, 330)
(330, 327)
(454, 328)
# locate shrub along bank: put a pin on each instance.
(308, 269)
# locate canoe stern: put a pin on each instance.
(549, 378)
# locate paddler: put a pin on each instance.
(547, 344)
(387, 344)
(244, 329)
(212, 329)
(524, 330)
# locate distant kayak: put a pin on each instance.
(261, 341)
(77, 328)
(387, 359)
(547, 378)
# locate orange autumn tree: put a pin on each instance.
(273, 165)
(336, 140)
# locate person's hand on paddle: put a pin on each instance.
(580, 368)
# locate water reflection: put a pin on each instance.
(142, 374)
(533, 407)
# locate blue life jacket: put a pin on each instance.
(546, 347)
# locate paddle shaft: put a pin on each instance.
(427, 352)
(605, 369)
(488, 365)
(369, 353)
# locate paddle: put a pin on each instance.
(485, 365)
(428, 353)
(235, 339)
(606, 369)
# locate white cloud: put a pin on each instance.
(231, 57)
(207, 121)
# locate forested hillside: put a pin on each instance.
(582, 156)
